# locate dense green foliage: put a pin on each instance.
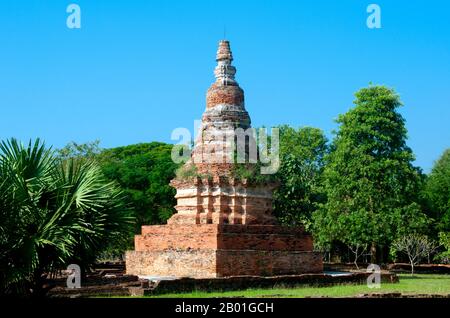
(437, 192)
(143, 171)
(299, 192)
(53, 213)
(371, 184)
(444, 241)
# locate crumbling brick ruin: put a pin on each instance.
(223, 225)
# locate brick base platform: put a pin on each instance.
(220, 250)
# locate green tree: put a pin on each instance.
(301, 163)
(87, 150)
(370, 181)
(52, 213)
(143, 171)
(437, 192)
(444, 241)
(415, 246)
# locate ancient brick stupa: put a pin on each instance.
(223, 225)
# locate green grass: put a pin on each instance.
(418, 284)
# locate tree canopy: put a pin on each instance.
(143, 171)
(370, 181)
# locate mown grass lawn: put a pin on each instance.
(417, 284)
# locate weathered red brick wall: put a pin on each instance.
(214, 250)
(160, 237)
(233, 237)
(221, 263)
(274, 242)
(172, 263)
(267, 263)
(228, 95)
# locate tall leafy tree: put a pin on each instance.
(369, 178)
(301, 163)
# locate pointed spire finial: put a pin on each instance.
(224, 71)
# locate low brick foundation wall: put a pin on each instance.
(218, 250)
(267, 263)
(221, 263)
(219, 236)
(172, 262)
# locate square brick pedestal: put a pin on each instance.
(221, 250)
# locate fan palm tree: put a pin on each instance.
(52, 213)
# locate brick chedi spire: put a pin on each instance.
(224, 71)
(225, 91)
(227, 199)
(225, 111)
(223, 225)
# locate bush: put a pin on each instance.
(54, 212)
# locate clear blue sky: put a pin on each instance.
(138, 69)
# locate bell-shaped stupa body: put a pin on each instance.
(214, 193)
